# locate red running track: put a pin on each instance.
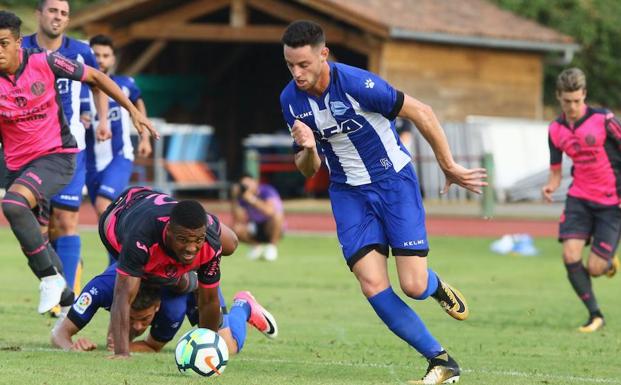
(438, 225)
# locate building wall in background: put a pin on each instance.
(460, 81)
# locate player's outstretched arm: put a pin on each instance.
(307, 160)
(144, 144)
(62, 337)
(107, 85)
(208, 308)
(125, 290)
(427, 123)
(102, 131)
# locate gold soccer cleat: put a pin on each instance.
(452, 301)
(442, 369)
(593, 324)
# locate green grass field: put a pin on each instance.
(521, 329)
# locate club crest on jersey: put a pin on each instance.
(37, 88)
(386, 163)
(84, 301)
(170, 271)
(369, 83)
(338, 108)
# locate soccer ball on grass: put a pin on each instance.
(201, 351)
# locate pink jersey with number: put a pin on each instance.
(593, 144)
(32, 122)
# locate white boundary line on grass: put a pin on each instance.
(509, 373)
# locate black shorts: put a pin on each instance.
(44, 177)
(593, 222)
(258, 232)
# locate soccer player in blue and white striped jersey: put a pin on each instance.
(347, 114)
(109, 163)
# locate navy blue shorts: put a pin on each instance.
(598, 224)
(173, 309)
(375, 216)
(111, 181)
(70, 197)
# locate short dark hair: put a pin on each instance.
(570, 80)
(147, 296)
(41, 4)
(102, 40)
(10, 21)
(303, 32)
(189, 214)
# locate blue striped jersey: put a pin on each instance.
(68, 89)
(353, 124)
(100, 154)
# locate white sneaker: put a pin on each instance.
(271, 252)
(255, 252)
(50, 290)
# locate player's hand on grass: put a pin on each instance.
(547, 191)
(472, 179)
(83, 345)
(144, 125)
(303, 135)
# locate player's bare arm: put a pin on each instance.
(125, 290)
(228, 239)
(554, 181)
(208, 308)
(62, 337)
(427, 123)
(307, 160)
(107, 85)
(148, 345)
(144, 144)
(102, 131)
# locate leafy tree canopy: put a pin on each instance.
(594, 24)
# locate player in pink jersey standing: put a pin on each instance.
(39, 148)
(592, 139)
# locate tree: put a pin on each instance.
(594, 24)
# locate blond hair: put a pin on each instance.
(570, 80)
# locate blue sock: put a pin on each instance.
(432, 284)
(238, 316)
(68, 249)
(404, 322)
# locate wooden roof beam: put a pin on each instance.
(356, 19)
(334, 33)
(239, 13)
(206, 32)
(146, 57)
(100, 10)
(190, 11)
